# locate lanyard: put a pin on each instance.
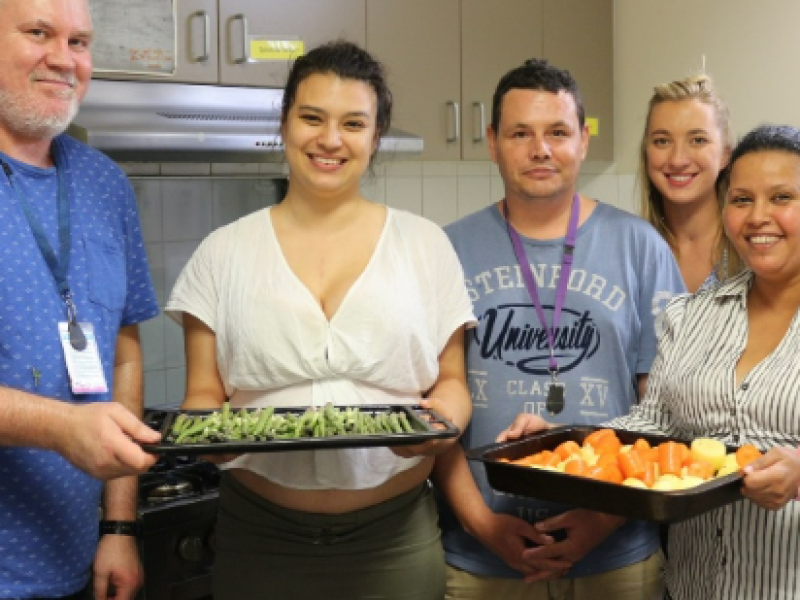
(59, 266)
(555, 402)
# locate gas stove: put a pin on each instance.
(177, 511)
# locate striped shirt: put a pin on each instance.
(739, 551)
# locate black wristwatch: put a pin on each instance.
(119, 528)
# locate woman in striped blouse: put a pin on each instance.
(728, 367)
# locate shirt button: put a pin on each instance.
(745, 386)
(733, 413)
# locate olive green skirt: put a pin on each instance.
(388, 551)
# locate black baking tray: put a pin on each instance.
(427, 424)
(634, 503)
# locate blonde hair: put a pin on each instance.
(700, 88)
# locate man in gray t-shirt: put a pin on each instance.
(621, 277)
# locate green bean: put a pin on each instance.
(263, 424)
(226, 414)
(404, 422)
(195, 428)
(263, 420)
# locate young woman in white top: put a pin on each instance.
(685, 148)
(327, 297)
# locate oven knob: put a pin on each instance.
(191, 548)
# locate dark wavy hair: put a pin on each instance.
(537, 74)
(347, 61)
(768, 137)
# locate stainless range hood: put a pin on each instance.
(138, 121)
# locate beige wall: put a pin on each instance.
(752, 50)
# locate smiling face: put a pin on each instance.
(539, 145)
(329, 134)
(684, 151)
(45, 65)
(762, 213)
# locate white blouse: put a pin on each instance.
(739, 551)
(275, 346)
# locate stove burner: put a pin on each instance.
(177, 479)
(171, 488)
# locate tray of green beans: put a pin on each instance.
(271, 429)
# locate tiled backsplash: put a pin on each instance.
(180, 204)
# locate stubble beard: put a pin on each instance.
(26, 117)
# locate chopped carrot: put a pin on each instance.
(541, 457)
(576, 466)
(649, 477)
(607, 458)
(567, 449)
(670, 458)
(747, 454)
(641, 444)
(595, 472)
(610, 445)
(701, 469)
(552, 460)
(686, 454)
(610, 473)
(595, 438)
(631, 464)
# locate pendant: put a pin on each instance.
(555, 398)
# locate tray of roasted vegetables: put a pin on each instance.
(271, 429)
(641, 476)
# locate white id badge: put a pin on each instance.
(84, 367)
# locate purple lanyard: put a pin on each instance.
(563, 278)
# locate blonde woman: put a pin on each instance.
(686, 147)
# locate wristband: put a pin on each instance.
(119, 528)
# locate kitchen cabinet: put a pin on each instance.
(578, 36)
(247, 42)
(312, 21)
(445, 58)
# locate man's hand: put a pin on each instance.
(523, 424)
(584, 531)
(508, 537)
(96, 438)
(772, 480)
(117, 568)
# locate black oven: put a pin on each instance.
(177, 512)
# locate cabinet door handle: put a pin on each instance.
(482, 124)
(206, 36)
(243, 58)
(456, 112)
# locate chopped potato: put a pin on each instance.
(711, 451)
(727, 470)
(690, 481)
(633, 482)
(667, 483)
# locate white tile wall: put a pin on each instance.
(177, 212)
(181, 207)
